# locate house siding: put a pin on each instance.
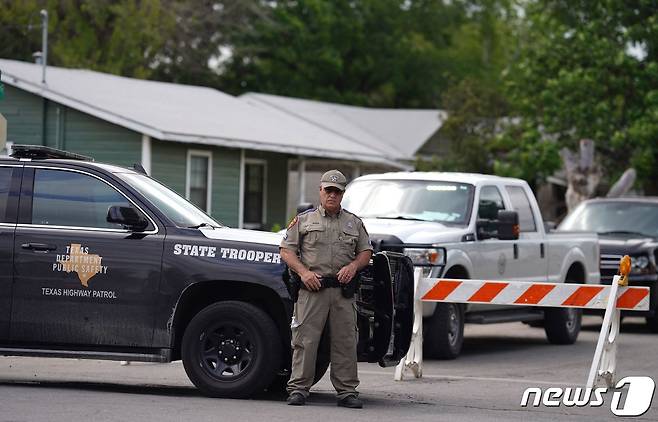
(169, 166)
(67, 128)
(24, 115)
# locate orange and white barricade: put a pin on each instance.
(532, 294)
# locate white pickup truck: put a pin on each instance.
(473, 216)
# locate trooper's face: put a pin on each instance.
(330, 198)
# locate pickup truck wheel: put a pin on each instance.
(444, 332)
(231, 349)
(652, 323)
(562, 325)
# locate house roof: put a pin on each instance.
(192, 114)
(395, 131)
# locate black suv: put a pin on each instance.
(626, 226)
(103, 262)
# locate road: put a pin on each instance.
(484, 384)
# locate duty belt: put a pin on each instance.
(326, 282)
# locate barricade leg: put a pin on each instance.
(604, 363)
(413, 361)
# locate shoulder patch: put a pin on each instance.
(292, 222)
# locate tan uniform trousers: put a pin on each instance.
(311, 312)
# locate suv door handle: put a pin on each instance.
(43, 247)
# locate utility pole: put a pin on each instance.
(44, 44)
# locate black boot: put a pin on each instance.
(296, 399)
(351, 402)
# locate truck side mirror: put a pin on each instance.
(303, 207)
(505, 227)
(126, 216)
(508, 225)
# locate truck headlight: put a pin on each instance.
(426, 257)
(640, 264)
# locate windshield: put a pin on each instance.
(614, 218)
(175, 207)
(443, 202)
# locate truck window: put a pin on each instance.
(5, 186)
(521, 204)
(65, 198)
(490, 202)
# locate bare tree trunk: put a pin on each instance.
(583, 173)
(624, 184)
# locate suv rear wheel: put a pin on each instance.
(231, 349)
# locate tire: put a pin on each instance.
(562, 325)
(443, 333)
(652, 323)
(231, 349)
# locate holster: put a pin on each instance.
(348, 290)
(293, 284)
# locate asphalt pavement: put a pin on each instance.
(485, 383)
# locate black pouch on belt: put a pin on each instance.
(350, 288)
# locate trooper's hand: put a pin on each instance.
(311, 280)
(347, 273)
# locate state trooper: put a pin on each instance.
(326, 247)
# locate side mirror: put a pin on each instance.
(505, 227)
(508, 225)
(128, 217)
(303, 207)
(549, 226)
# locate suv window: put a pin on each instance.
(490, 202)
(521, 205)
(65, 198)
(5, 187)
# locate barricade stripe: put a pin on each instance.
(631, 297)
(582, 296)
(441, 290)
(535, 294)
(487, 292)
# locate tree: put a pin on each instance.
(121, 37)
(387, 53)
(587, 69)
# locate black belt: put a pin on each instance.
(327, 282)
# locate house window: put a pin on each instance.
(254, 194)
(199, 176)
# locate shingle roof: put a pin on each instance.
(401, 132)
(185, 113)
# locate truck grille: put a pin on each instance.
(609, 267)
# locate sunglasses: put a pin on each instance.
(330, 190)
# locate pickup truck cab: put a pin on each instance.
(473, 217)
(103, 262)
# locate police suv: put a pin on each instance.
(103, 262)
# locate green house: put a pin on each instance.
(230, 156)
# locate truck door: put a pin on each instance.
(10, 179)
(493, 259)
(79, 279)
(385, 309)
(532, 263)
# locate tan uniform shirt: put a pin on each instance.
(326, 243)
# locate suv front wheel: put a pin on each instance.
(231, 349)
